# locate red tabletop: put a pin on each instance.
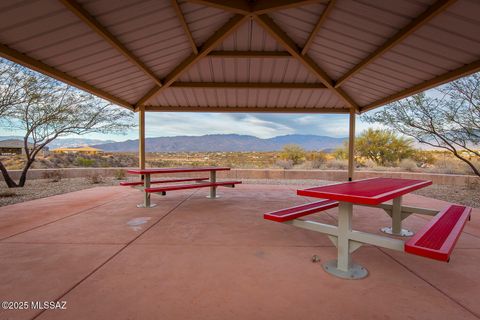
(174, 170)
(369, 191)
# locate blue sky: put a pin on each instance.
(262, 125)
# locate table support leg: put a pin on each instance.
(396, 228)
(213, 190)
(146, 196)
(343, 267)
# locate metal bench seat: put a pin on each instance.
(300, 211)
(163, 190)
(438, 237)
(140, 183)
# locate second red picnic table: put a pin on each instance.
(370, 192)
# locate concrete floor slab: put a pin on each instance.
(115, 222)
(458, 279)
(38, 272)
(199, 258)
(212, 282)
(20, 217)
(236, 218)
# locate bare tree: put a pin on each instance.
(48, 109)
(450, 120)
(11, 86)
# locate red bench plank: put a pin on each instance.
(192, 186)
(300, 211)
(438, 237)
(140, 183)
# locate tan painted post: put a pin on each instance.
(351, 145)
(141, 137)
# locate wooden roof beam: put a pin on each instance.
(209, 45)
(273, 29)
(437, 8)
(39, 66)
(242, 85)
(267, 6)
(184, 24)
(318, 25)
(249, 54)
(234, 6)
(246, 7)
(246, 109)
(81, 13)
(447, 77)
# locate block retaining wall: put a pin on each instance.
(271, 174)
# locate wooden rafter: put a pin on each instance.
(256, 85)
(447, 77)
(249, 54)
(425, 17)
(209, 45)
(273, 29)
(267, 6)
(184, 24)
(39, 66)
(81, 13)
(318, 25)
(234, 6)
(245, 109)
(246, 7)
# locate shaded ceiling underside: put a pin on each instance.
(245, 56)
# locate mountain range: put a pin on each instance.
(64, 142)
(211, 142)
(223, 142)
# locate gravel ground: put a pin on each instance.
(41, 188)
(462, 195)
(36, 189)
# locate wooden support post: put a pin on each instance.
(141, 137)
(351, 145)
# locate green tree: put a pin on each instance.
(341, 153)
(450, 121)
(383, 146)
(293, 152)
(45, 109)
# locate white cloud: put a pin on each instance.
(260, 125)
(306, 120)
(174, 124)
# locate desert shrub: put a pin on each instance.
(337, 164)
(369, 164)
(450, 166)
(84, 162)
(341, 153)
(408, 165)
(317, 159)
(120, 174)
(423, 157)
(293, 152)
(53, 175)
(158, 163)
(284, 164)
(95, 178)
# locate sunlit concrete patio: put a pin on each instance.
(197, 258)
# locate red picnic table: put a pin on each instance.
(435, 240)
(146, 181)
